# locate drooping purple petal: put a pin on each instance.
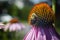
(2, 26)
(40, 33)
(14, 27)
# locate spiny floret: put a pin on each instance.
(43, 11)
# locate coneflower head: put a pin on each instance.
(14, 20)
(41, 14)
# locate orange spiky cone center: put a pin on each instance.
(14, 20)
(43, 11)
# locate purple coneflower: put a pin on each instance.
(42, 18)
(14, 25)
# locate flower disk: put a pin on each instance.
(14, 20)
(43, 12)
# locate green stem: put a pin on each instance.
(53, 5)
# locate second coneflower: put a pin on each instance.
(14, 25)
